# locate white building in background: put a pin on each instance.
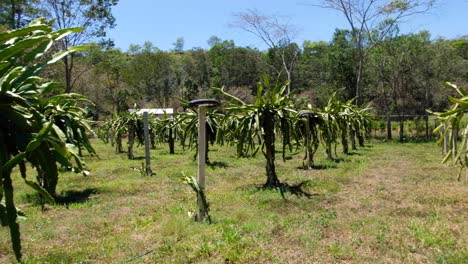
(154, 111)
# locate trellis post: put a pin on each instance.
(202, 105)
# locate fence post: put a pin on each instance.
(202, 105)
(147, 144)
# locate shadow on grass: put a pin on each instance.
(65, 198)
(74, 196)
(318, 167)
(353, 154)
(217, 164)
(293, 189)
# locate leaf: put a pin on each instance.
(23, 32)
(61, 54)
(59, 34)
(20, 47)
(447, 156)
(9, 165)
(38, 51)
(46, 127)
(462, 101)
(41, 191)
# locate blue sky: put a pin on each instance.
(162, 22)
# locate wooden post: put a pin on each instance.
(202, 104)
(201, 145)
(203, 211)
(147, 144)
(307, 142)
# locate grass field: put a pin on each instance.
(385, 203)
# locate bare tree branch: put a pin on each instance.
(275, 34)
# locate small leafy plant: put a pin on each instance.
(203, 206)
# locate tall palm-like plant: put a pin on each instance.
(451, 121)
(30, 125)
(360, 121)
(67, 112)
(308, 123)
(130, 124)
(187, 122)
(167, 129)
(259, 123)
(329, 130)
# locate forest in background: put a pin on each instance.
(398, 74)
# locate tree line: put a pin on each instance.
(398, 74)
(404, 74)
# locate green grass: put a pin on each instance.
(386, 203)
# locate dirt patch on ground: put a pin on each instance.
(376, 209)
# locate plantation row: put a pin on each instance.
(251, 127)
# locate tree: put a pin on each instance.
(95, 16)
(213, 40)
(152, 73)
(308, 123)
(109, 67)
(403, 76)
(196, 67)
(276, 35)
(18, 13)
(30, 130)
(260, 123)
(342, 68)
(371, 21)
(313, 67)
(228, 72)
(179, 45)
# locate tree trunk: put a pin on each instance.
(12, 21)
(269, 152)
(344, 140)
(352, 136)
(454, 141)
(402, 132)
(131, 139)
(68, 62)
(171, 141)
(360, 138)
(152, 139)
(111, 137)
(12, 215)
(48, 181)
(389, 128)
(328, 151)
(239, 147)
(118, 144)
(8, 196)
(426, 121)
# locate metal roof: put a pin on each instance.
(154, 111)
